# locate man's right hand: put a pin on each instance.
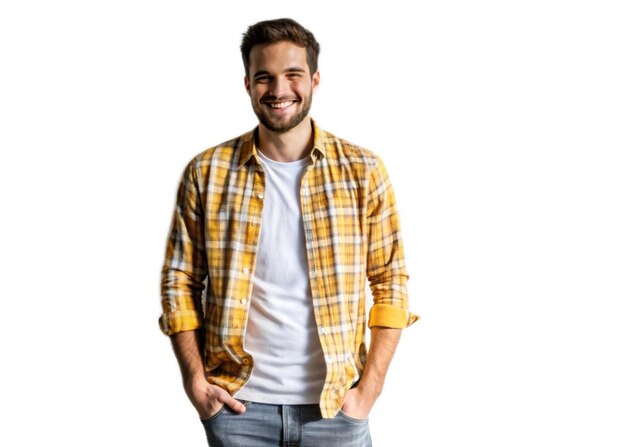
(208, 399)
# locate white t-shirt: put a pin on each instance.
(281, 335)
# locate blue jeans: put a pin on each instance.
(264, 425)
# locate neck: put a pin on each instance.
(292, 145)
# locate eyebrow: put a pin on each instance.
(289, 70)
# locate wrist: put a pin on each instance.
(367, 393)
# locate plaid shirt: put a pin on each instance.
(352, 233)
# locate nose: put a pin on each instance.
(279, 87)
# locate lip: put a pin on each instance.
(269, 104)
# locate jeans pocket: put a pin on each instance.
(351, 419)
(213, 417)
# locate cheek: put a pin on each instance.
(302, 89)
(256, 93)
(258, 90)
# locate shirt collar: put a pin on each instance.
(249, 150)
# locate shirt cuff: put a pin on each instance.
(179, 321)
(386, 315)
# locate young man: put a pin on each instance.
(282, 226)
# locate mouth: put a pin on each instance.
(280, 105)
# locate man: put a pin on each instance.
(282, 226)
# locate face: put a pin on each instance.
(280, 85)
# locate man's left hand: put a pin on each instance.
(357, 404)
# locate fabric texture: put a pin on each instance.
(352, 233)
(266, 425)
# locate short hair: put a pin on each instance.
(280, 30)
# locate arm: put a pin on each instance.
(206, 398)
(182, 283)
(185, 266)
(387, 277)
(359, 401)
(386, 269)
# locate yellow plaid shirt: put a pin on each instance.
(352, 233)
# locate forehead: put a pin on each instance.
(277, 56)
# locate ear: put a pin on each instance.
(246, 83)
(315, 80)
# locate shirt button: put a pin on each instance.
(246, 361)
(244, 301)
(260, 195)
(323, 330)
(246, 271)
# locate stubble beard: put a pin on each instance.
(279, 126)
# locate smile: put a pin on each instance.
(280, 105)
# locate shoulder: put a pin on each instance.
(222, 155)
(346, 153)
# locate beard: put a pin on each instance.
(278, 125)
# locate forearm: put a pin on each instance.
(205, 397)
(187, 351)
(359, 401)
(383, 344)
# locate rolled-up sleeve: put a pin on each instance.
(386, 270)
(184, 269)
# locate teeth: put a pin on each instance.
(280, 105)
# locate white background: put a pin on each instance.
(502, 124)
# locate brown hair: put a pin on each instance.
(272, 31)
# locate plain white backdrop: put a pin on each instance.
(502, 124)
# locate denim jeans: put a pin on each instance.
(264, 425)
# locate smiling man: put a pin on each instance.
(280, 86)
(274, 236)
